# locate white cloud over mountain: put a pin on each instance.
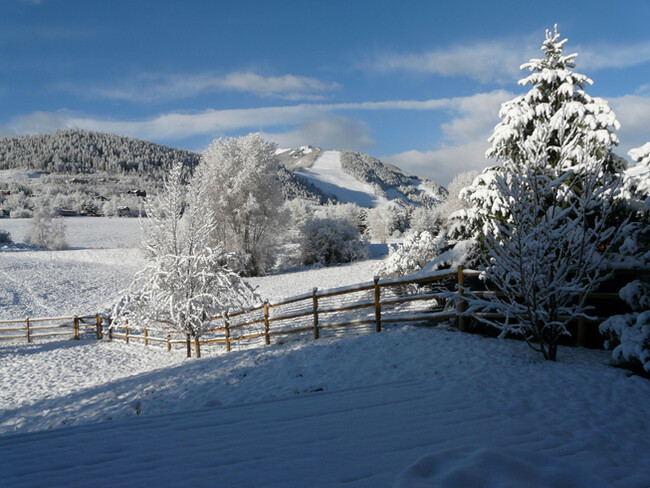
(148, 87)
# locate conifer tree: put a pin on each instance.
(548, 210)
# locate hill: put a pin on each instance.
(81, 169)
(81, 151)
(355, 177)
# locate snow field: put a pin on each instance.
(354, 411)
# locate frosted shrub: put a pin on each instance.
(426, 219)
(629, 334)
(417, 250)
(47, 232)
(5, 237)
(20, 213)
(329, 241)
(382, 222)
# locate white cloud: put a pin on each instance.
(499, 61)
(6, 131)
(442, 164)
(645, 88)
(601, 56)
(171, 125)
(177, 126)
(151, 88)
(486, 62)
(633, 112)
(465, 139)
(333, 132)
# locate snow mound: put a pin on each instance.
(493, 468)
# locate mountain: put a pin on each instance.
(350, 176)
(305, 172)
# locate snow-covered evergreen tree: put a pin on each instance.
(187, 280)
(548, 210)
(629, 334)
(245, 195)
(641, 154)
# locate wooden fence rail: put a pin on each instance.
(370, 305)
(56, 326)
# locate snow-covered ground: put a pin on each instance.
(85, 279)
(103, 257)
(430, 407)
(409, 407)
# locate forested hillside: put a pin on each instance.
(80, 151)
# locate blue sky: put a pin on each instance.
(416, 83)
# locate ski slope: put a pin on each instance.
(327, 175)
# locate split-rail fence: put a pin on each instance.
(365, 306)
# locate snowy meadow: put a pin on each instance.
(411, 406)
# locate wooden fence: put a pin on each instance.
(32, 328)
(366, 306)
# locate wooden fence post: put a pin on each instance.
(76, 328)
(460, 305)
(377, 305)
(316, 333)
(146, 335)
(126, 334)
(169, 344)
(227, 332)
(29, 339)
(197, 347)
(189, 348)
(267, 338)
(98, 327)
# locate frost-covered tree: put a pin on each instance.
(545, 214)
(187, 280)
(46, 231)
(383, 222)
(245, 195)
